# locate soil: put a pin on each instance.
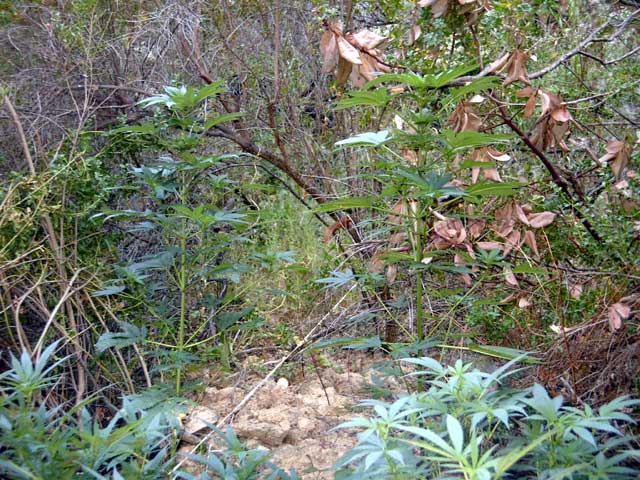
(295, 418)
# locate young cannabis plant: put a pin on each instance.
(469, 424)
(40, 441)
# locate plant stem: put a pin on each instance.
(182, 285)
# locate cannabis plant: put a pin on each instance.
(470, 424)
(41, 439)
(181, 285)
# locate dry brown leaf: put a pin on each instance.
(523, 302)
(512, 241)
(618, 155)
(344, 70)
(413, 34)
(391, 274)
(331, 229)
(399, 213)
(376, 264)
(369, 40)
(530, 241)
(451, 231)
(356, 77)
(329, 52)
(541, 220)
(509, 277)
(488, 246)
(348, 51)
(397, 238)
(516, 68)
(616, 314)
(476, 227)
(464, 118)
(438, 7)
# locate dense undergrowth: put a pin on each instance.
(186, 185)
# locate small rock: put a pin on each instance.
(282, 383)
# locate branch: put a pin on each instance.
(21, 135)
(591, 38)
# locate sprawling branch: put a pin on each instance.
(577, 50)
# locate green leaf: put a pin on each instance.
(484, 83)
(129, 335)
(411, 79)
(345, 204)
(212, 122)
(367, 139)
(212, 90)
(500, 189)
(111, 290)
(455, 433)
(464, 140)
(503, 352)
(376, 98)
(473, 164)
(526, 268)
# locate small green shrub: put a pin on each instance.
(470, 425)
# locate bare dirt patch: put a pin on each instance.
(295, 419)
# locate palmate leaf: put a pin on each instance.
(375, 98)
(434, 80)
(464, 140)
(478, 85)
(338, 278)
(499, 189)
(129, 335)
(212, 122)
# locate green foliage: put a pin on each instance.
(236, 462)
(42, 441)
(194, 235)
(470, 424)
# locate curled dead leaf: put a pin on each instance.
(617, 156)
(329, 52)
(523, 302)
(438, 7)
(541, 220)
(348, 51)
(464, 118)
(575, 291)
(516, 68)
(616, 314)
(530, 241)
(332, 229)
(488, 246)
(509, 277)
(451, 231)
